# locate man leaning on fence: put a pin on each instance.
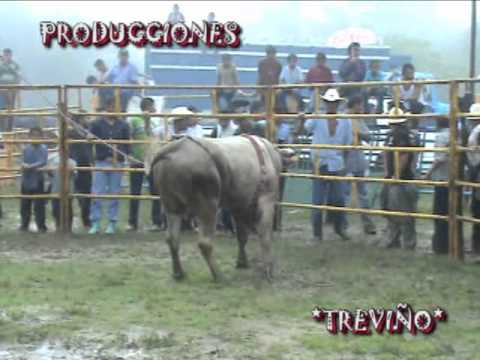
(329, 162)
(400, 197)
(108, 182)
(33, 181)
(140, 128)
(474, 160)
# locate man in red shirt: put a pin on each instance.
(320, 73)
(269, 68)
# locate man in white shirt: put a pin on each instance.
(329, 162)
(474, 160)
(291, 73)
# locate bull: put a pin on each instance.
(196, 177)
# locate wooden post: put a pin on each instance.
(455, 251)
(64, 174)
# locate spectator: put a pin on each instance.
(140, 128)
(439, 172)
(224, 128)
(176, 16)
(102, 71)
(291, 73)
(124, 73)
(211, 17)
(194, 129)
(357, 163)
(353, 69)
(226, 75)
(33, 183)
(9, 75)
(474, 160)
(400, 197)
(329, 162)
(82, 154)
(247, 126)
(378, 92)
(411, 94)
(107, 182)
(269, 68)
(101, 78)
(320, 72)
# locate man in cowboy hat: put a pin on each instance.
(179, 125)
(329, 162)
(400, 197)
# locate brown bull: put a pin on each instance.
(196, 177)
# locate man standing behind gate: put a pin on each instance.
(124, 73)
(329, 162)
(140, 128)
(400, 197)
(108, 182)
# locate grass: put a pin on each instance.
(52, 288)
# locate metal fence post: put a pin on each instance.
(64, 173)
(455, 251)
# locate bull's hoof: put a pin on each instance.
(178, 276)
(268, 273)
(219, 278)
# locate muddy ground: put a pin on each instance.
(113, 297)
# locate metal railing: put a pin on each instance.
(454, 184)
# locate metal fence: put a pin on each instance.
(63, 111)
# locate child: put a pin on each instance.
(34, 157)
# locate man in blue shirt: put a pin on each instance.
(124, 74)
(374, 73)
(34, 157)
(329, 162)
(106, 182)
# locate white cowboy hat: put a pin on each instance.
(332, 95)
(396, 111)
(181, 110)
(475, 109)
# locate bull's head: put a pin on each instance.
(288, 156)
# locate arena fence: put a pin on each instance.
(63, 112)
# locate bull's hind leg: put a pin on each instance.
(242, 238)
(266, 213)
(174, 224)
(207, 219)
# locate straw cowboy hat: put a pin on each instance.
(396, 111)
(181, 110)
(332, 95)
(475, 109)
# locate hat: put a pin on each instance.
(475, 109)
(396, 111)
(331, 95)
(181, 110)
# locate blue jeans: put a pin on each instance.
(333, 190)
(108, 183)
(362, 196)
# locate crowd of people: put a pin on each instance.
(401, 231)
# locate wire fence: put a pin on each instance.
(63, 112)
